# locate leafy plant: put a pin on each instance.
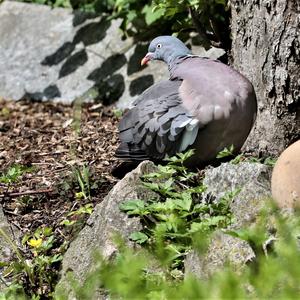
(14, 173)
(148, 18)
(5, 112)
(12, 292)
(273, 274)
(85, 209)
(268, 161)
(172, 221)
(37, 272)
(205, 15)
(229, 152)
(80, 183)
(83, 179)
(117, 112)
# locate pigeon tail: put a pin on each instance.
(130, 152)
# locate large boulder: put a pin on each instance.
(50, 53)
(249, 186)
(106, 221)
(57, 54)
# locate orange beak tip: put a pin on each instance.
(147, 58)
(144, 61)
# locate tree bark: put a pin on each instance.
(266, 49)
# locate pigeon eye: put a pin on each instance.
(158, 46)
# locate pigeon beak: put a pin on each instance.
(147, 58)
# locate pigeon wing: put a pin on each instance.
(158, 124)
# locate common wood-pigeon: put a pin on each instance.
(205, 105)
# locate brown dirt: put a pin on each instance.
(43, 136)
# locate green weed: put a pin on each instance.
(14, 173)
(36, 272)
(83, 179)
(140, 274)
(229, 152)
(172, 221)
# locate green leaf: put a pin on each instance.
(13, 173)
(47, 231)
(198, 189)
(209, 224)
(184, 202)
(237, 159)
(185, 155)
(197, 226)
(133, 206)
(156, 207)
(67, 222)
(167, 185)
(226, 152)
(242, 234)
(56, 258)
(131, 15)
(151, 14)
(270, 161)
(152, 186)
(86, 209)
(138, 237)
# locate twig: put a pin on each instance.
(17, 194)
(17, 225)
(52, 153)
(10, 212)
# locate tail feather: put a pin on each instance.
(128, 151)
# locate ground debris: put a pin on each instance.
(54, 140)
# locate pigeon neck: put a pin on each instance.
(173, 63)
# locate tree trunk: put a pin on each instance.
(266, 49)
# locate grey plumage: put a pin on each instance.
(205, 105)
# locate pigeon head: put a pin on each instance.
(166, 48)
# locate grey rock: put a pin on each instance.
(43, 55)
(56, 54)
(106, 221)
(6, 251)
(253, 181)
(223, 249)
